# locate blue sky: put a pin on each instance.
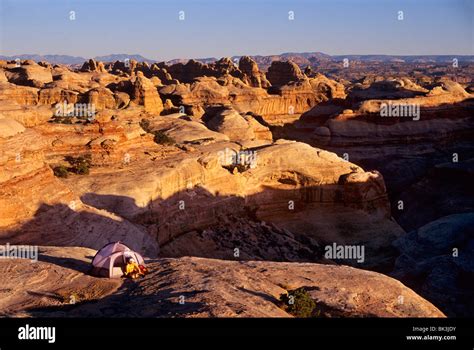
(217, 28)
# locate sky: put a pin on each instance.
(218, 28)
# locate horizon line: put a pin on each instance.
(250, 55)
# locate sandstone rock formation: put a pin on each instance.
(214, 168)
(93, 66)
(144, 93)
(285, 102)
(101, 98)
(10, 127)
(37, 207)
(281, 73)
(387, 89)
(29, 73)
(185, 131)
(328, 88)
(237, 127)
(211, 288)
(193, 69)
(211, 185)
(253, 76)
(21, 95)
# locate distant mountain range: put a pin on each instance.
(72, 60)
(300, 58)
(408, 59)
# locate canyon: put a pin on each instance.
(232, 179)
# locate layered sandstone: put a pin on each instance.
(37, 207)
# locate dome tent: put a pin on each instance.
(112, 258)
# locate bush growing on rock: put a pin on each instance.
(159, 136)
(81, 169)
(298, 303)
(162, 139)
(80, 165)
(60, 171)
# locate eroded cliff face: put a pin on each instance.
(413, 150)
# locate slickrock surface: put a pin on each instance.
(10, 127)
(208, 287)
(57, 279)
(324, 190)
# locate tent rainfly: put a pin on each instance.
(111, 260)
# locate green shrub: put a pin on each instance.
(159, 136)
(60, 171)
(81, 169)
(298, 302)
(80, 165)
(162, 139)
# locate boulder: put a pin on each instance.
(283, 72)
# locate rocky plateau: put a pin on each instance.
(191, 162)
